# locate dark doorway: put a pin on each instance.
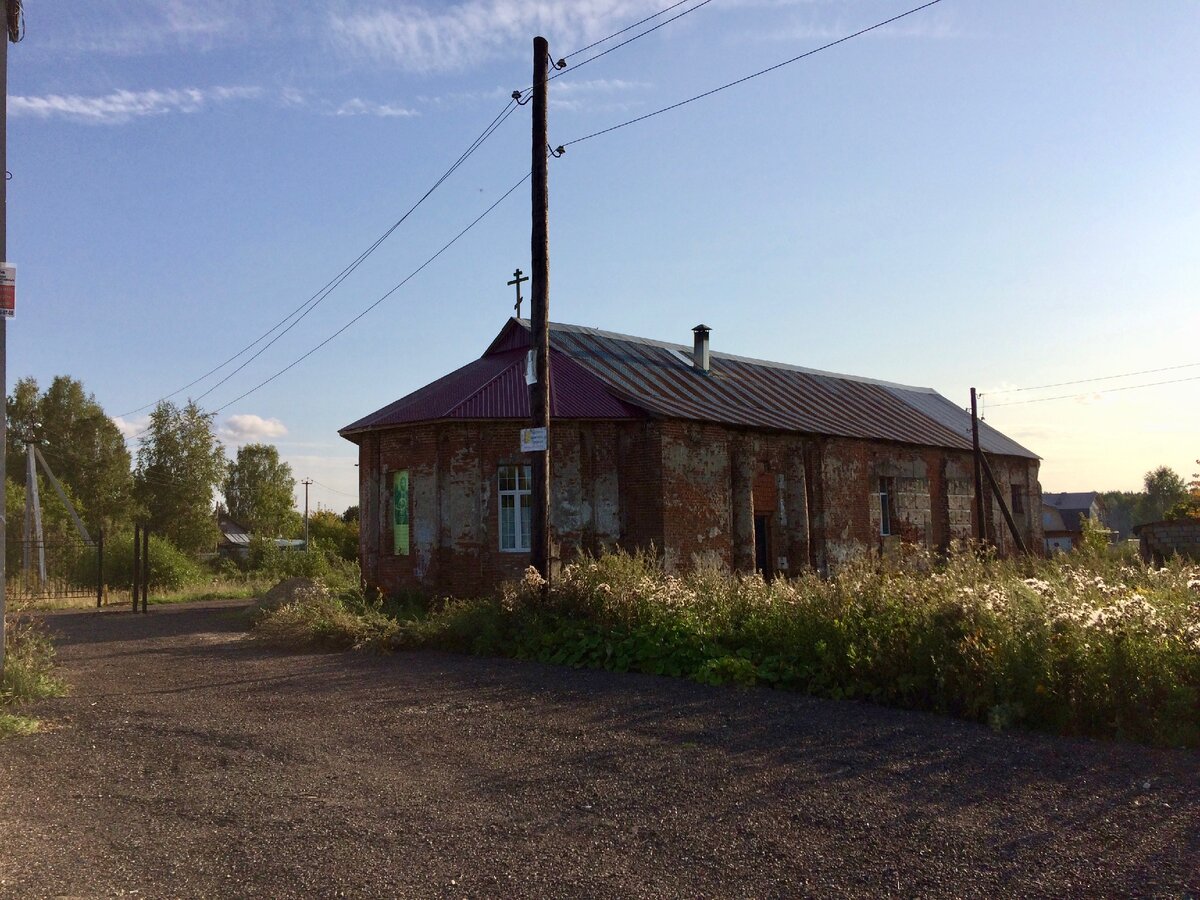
(762, 546)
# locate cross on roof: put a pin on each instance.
(517, 279)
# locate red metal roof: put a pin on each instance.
(493, 387)
(599, 374)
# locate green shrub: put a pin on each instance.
(1089, 644)
(320, 562)
(316, 618)
(170, 568)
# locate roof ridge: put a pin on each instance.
(728, 357)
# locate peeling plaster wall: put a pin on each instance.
(453, 504)
(821, 497)
(697, 513)
(691, 490)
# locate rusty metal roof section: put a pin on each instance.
(593, 370)
(494, 387)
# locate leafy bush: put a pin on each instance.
(316, 618)
(170, 568)
(319, 562)
(1087, 644)
(334, 533)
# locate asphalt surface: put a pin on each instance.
(189, 760)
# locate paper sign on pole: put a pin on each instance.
(533, 440)
(8, 289)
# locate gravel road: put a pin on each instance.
(191, 761)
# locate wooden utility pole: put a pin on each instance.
(306, 482)
(980, 523)
(540, 315)
(4, 39)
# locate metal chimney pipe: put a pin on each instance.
(700, 356)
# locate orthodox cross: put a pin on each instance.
(517, 279)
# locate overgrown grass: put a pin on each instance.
(1089, 644)
(28, 670)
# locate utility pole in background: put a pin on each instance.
(306, 482)
(980, 523)
(540, 314)
(12, 9)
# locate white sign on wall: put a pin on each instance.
(533, 440)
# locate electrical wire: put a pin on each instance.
(335, 490)
(389, 293)
(575, 67)
(1128, 387)
(1040, 387)
(497, 123)
(570, 70)
(625, 29)
(315, 300)
(745, 78)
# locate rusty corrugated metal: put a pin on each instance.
(602, 375)
(660, 378)
(493, 387)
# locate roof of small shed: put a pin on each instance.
(602, 375)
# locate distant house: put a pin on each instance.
(1063, 516)
(235, 537)
(699, 454)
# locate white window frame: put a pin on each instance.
(520, 532)
(887, 506)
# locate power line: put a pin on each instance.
(1128, 387)
(1089, 380)
(389, 293)
(509, 110)
(745, 78)
(335, 490)
(315, 300)
(577, 66)
(309, 305)
(627, 28)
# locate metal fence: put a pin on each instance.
(53, 570)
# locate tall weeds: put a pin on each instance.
(1090, 644)
(28, 669)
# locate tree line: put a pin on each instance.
(170, 485)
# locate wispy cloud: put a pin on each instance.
(294, 98)
(134, 27)
(463, 35)
(131, 427)
(124, 106)
(597, 94)
(249, 427)
(357, 107)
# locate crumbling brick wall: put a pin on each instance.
(1159, 541)
(689, 489)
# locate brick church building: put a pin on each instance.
(761, 465)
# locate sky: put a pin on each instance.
(998, 195)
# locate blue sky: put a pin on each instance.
(999, 195)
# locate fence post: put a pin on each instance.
(137, 564)
(145, 567)
(99, 568)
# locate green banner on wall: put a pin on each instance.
(400, 512)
